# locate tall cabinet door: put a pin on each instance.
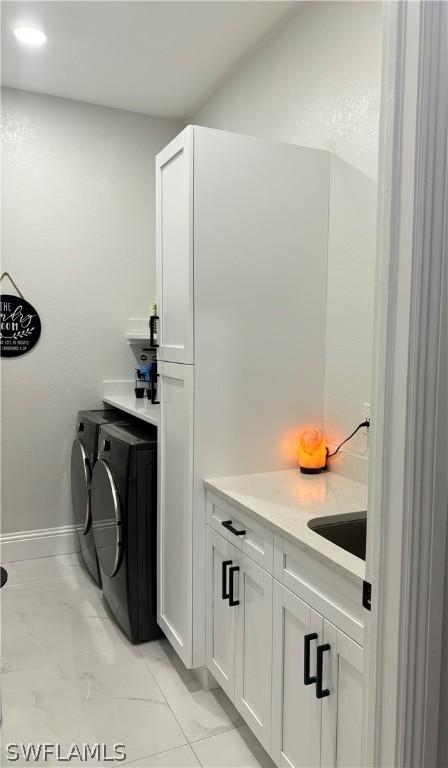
(220, 641)
(342, 674)
(252, 591)
(175, 507)
(296, 712)
(174, 248)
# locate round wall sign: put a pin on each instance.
(20, 326)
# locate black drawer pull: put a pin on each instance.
(321, 693)
(228, 524)
(225, 594)
(232, 571)
(307, 678)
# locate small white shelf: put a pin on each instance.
(140, 408)
(138, 330)
(121, 395)
(135, 337)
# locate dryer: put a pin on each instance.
(124, 521)
(83, 458)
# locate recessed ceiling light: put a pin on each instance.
(30, 36)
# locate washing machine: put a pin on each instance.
(124, 521)
(84, 455)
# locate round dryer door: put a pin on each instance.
(106, 518)
(80, 481)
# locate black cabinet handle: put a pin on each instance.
(154, 377)
(152, 328)
(321, 693)
(225, 594)
(232, 571)
(228, 524)
(307, 678)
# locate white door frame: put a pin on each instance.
(408, 480)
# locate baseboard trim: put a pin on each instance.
(43, 542)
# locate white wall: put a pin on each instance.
(317, 83)
(78, 233)
(350, 298)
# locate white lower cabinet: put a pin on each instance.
(293, 675)
(253, 658)
(316, 695)
(220, 625)
(239, 632)
(342, 710)
(296, 712)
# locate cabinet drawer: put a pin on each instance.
(257, 541)
(332, 594)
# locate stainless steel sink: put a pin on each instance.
(348, 532)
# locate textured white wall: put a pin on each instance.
(317, 83)
(78, 233)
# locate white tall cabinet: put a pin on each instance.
(242, 230)
(175, 493)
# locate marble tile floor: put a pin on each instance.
(70, 676)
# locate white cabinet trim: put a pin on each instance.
(408, 478)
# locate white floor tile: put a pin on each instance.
(235, 749)
(200, 713)
(71, 584)
(108, 697)
(183, 757)
(73, 677)
(47, 573)
(51, 761)
(42, 568)
(60, 622)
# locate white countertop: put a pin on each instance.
(287, 500)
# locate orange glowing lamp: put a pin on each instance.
(312, 452)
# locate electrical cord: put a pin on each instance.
(365, 423)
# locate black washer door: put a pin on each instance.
(106, 518)
(80, 480)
